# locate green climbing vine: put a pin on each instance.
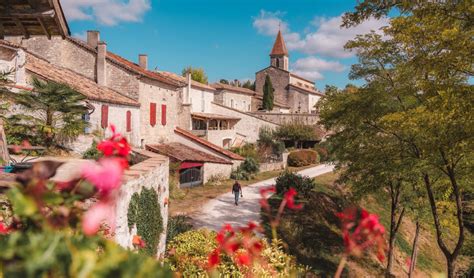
(144, 212)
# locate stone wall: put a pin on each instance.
(63, 53)
(237, 101)
(273, 166)
(201, 100)
(280, 80)
(217, 136)
(249, 125)
(282, 118)
(298, 101)
(122, 80)
(151, 173)
(155, 92)
(216, 170)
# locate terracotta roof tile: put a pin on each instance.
(208, 144)
(82, 84)
(147, 73)
(182, 79)
(279, 47)
(308, 90)
(220, 86)
(182, 152)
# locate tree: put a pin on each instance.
(52, 114)
(197, 74)
(267, 102)
(249, 85)
(295, 132)
(417, 83)
(224, 81)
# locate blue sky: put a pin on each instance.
(230, 39)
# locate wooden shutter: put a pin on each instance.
(129, 121)
(163, 114)
(104, 116)
(152, 114)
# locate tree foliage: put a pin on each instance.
(267, 102)
(51, 114)
(197, 74)
(411, 125)
(295, 132)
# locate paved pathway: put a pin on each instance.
(222, 209)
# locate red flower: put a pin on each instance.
(115, 145)
(138, 242)
(290, 199)
(243, 259)
(3, 229)
(213, 259)
(362, 231)
(263, 193)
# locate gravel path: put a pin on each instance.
(222, 209)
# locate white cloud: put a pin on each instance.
(329, 38)
(106, 12)
(311, 67)
(324, 36)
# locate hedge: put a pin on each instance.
(302, 158)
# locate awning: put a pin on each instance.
(187, 165)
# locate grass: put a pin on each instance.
(188, 200)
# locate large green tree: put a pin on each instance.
(267, 102)
(197, 74)
(418, 91)
(50, 114)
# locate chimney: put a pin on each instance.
(188, 89)
(101, 63)
(143, 61)
(93, 38)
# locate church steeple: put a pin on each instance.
(279, 54)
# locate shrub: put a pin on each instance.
(239, 174)
(188, 254)
(144, 212)
(247, 150)
(302, 158)
(92, 152)
(177, 225)
(322, 152)
(250, 165)
(287, 179)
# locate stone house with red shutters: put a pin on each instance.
(104, 103)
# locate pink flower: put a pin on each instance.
(290, 199)
(106, 175)
(4, 230)
(138, 242)
(96, 215)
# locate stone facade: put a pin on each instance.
(214, 170)
(282, 118)
(248, 125)
(160, 94)
(237, 101)
(150, 173)
(280, 80)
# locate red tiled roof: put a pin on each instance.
(182, 152)
(279, 47)
(212, 116)
(83, 85)
(129, 65)
(310, 91)
(147, 73)
(299, 77)
(221, 86)
(208, 144)
(183, 80)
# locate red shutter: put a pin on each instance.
(163, 114)
(152, 114)
(129, 121)
(105, 116)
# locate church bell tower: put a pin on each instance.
(279, 54)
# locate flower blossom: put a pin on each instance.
(138, 242)
(96, 215)
(362, 231)
(290, 199)
(105, 175)
(4, 230)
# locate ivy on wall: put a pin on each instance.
(144, 212)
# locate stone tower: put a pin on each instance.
(279, 54)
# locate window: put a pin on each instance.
(152, 114)
(244, 105)
(278, 63)
(129, 121)
(104, 117)
(231, 103)
(163, 114)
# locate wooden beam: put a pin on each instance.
(34, 4)
(2, 30)
(45, 30)
(22, 28)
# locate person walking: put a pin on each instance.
(237, 190)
